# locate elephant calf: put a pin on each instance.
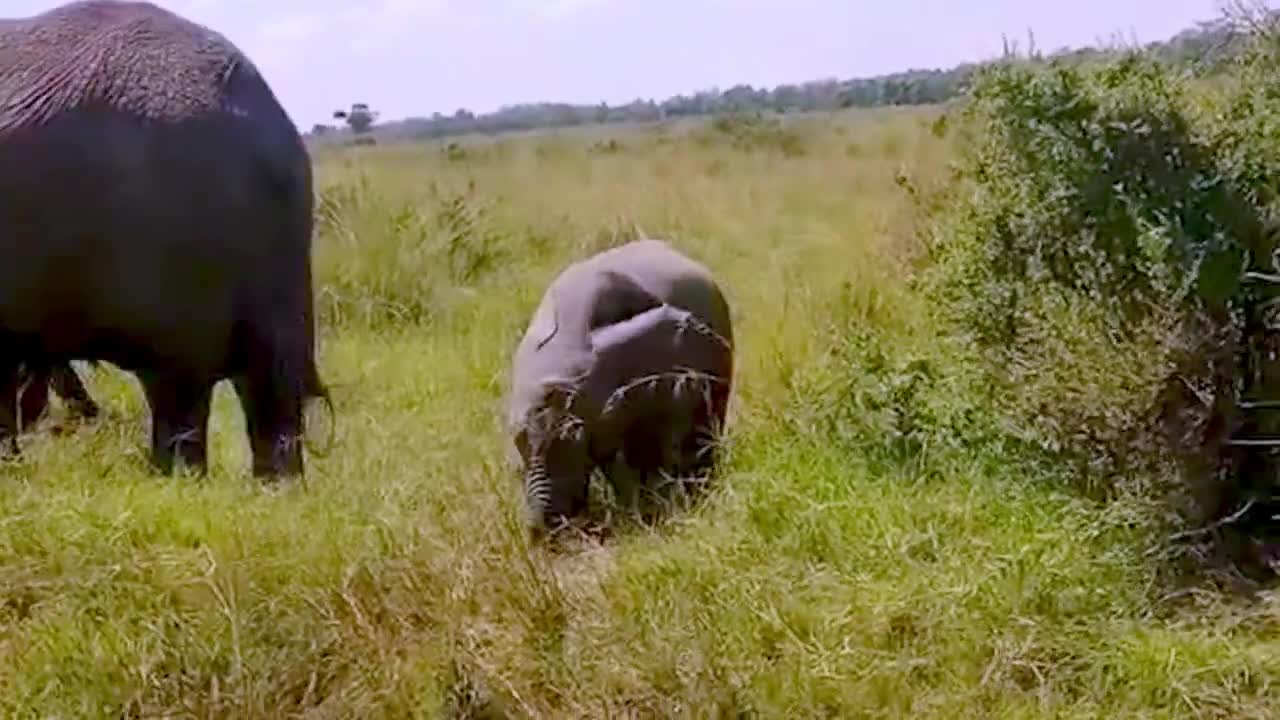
(626, 365)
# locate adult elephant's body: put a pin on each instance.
(156, 213)
(626, 365)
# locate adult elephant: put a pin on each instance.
(155, 213)
(626, 366)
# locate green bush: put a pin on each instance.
(1093, 183)
(1097, 252)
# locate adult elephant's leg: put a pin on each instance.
(33, 395)
(273, 419)
(271, 455)
(251, 421)
(271, 352)
(10, 379)
(179, 405)
(70, 388)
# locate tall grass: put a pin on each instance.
(877, 546)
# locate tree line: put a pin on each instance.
(1201, 48)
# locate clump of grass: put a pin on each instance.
(607, 147)
(381, 263)
(753, 132)
(455, 152)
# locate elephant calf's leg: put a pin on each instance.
(701, 450)
(179, 419)
(628, 481)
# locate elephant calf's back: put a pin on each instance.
(675, 278)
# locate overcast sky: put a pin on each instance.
(416, 57)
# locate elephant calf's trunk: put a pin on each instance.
(537, 491)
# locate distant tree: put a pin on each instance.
(740, 98)
(359, 118)
(1203, 46)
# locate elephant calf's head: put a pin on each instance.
(555, 454)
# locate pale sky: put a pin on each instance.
(416, 57)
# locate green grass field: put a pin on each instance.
(832, 573)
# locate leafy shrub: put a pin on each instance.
(1091, 182)
(899, 410)
(1105, 218)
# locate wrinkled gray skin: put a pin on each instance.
(155, 213)
(626, 366)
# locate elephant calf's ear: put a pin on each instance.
(545, 324)
(620, 299)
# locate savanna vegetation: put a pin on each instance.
(980, 463)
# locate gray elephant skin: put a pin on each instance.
(626, 366)
(155, 213)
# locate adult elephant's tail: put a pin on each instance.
(301, 224)
(314, 388)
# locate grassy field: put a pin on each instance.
(846, 566)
